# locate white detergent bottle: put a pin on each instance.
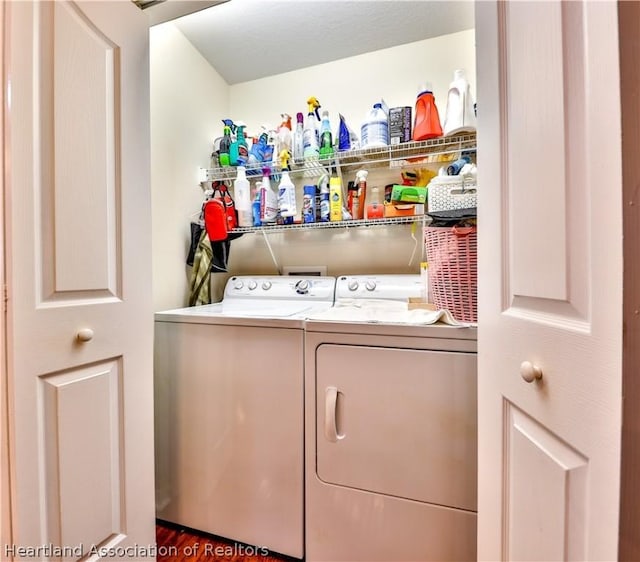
(287, 196)
(375, 129)
(460, 116)
(242, 193)
(268, 199)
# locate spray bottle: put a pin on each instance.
(360, 196)
(225, 146)
(298, 140)
(239, 151)
(326, 139)
(283, 136)
(310, 133)
(268, 199)
(284, 157)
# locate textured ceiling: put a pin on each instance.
(249, 39)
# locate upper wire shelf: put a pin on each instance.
(413, 153)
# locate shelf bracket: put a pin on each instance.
(273, 257)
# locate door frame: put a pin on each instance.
(629, 46)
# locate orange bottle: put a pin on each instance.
(427, 121)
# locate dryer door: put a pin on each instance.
(400, 422)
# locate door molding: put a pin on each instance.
(629, 33)
(5, 478)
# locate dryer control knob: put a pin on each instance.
(238, 284)
(266, 285)
(370, 285)
(302, 287)
(252, 285)
(352, 285)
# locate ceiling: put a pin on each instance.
(249, 39)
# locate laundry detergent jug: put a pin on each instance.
(460, 116)
(427, 120)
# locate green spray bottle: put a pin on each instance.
(225, 147)
(239, 151)
(326, 139)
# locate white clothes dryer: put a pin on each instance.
(390, 431)
(229, 411)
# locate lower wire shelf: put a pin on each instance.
(358, 223)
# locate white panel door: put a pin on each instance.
(550, 280)
(80, 325)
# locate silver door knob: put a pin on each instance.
(86, 334)
(530, 372)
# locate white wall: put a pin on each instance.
(352, 85)
(188, 101)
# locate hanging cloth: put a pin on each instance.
(200, 290)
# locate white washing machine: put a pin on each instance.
(390, 431)
(229, 411)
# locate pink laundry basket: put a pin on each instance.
(452, 253)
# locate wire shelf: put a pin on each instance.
(336, 224)
(414, 153)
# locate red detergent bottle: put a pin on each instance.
(427, 121)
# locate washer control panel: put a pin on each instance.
(384, 286)
(280, 287)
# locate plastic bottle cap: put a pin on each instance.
(377, 106)
(426, 87)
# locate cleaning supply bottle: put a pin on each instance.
(352, 190)
(258, 149)
(285, 158)
(310, 134)
(225, 146)
(243, 149)
(459, 116)
(287, 198)
(360, 196)
(426, 124)
(268, 199)
(335, 199)
(298, 139)
(255, 206)
(283, 137)
(344, 134)
(242, 192)
(375, 129)
(326, 139)
(239, 150)
(309, 203)
(375, 208)
(325, 205)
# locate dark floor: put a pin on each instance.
(177, 544)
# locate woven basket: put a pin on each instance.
(452, 253)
